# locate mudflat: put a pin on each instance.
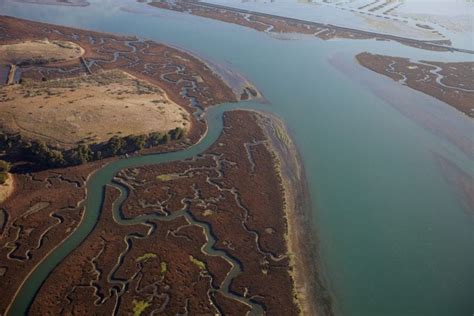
(451, 83)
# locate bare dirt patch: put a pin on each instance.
(88, 109)
(39, 51)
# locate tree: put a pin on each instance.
(4, 169)
(176, 133)
(155, 138)
(115, 145)
(165, 139)
(3, 141)
(56, 158)
(98, 155)
(134, 143)
(83, 154)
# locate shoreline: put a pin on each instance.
(232, 78)
(436, 117)
(311, 298)
(293, 25)
(73, 3)
(426, 77)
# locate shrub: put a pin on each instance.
(114, 146)
(4, 166)
(176, 133)
(135, 143)
(155, 138)
(82, 154)
(3, 177)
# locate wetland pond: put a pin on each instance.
(396, 238)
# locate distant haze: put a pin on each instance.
(439, 7)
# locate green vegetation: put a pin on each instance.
(49, 157)
(146, 256)
(201, 265)
(163, 267)
(83, 154)
(167, 177)
(156, 138)
(3, 178)
(4, 166)
(139, 307)
(176, 133)
(4, 169)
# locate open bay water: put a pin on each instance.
(396, 238)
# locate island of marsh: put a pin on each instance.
(452, 83)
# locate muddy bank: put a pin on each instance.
(434, 116)
(462, 182)
(311, 293)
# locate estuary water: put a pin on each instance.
(396, 238)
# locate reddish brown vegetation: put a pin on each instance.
(43, 210)
(451, 83)
(99, 281)
(233, 188)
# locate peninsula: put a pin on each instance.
(190, 235)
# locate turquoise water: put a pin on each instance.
(396, 238)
